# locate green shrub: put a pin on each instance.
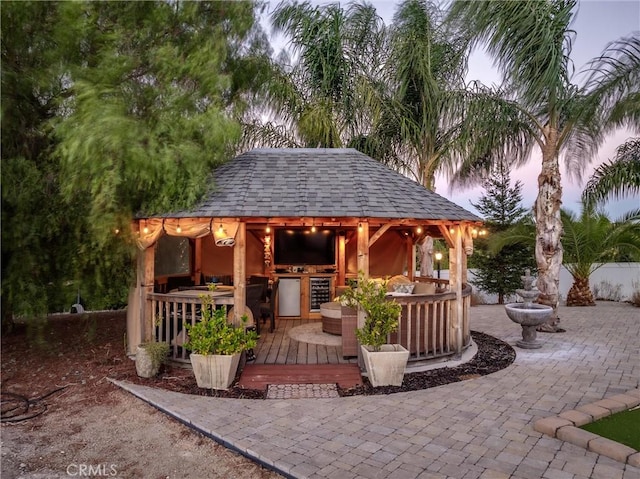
(382, 313)
(214, 335)
(157, 352)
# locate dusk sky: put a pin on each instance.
(597, 24)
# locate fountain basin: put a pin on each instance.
(529, 316)
(532, 314)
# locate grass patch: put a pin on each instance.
(622, 427)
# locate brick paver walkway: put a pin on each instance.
(480, 428)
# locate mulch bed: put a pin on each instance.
(86, 349)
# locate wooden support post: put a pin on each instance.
(455, 284)
(147, 288)
(342, 260)
(240, 274)
(363, 265)
(197, 270)
(411, 258)
(135, 307)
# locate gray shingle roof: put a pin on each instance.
(319, 182)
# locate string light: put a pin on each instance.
(268, 229)
(116, 231)
(452, 230)
(145, 230)
(178, 229)
(419, 230)
(360, 227)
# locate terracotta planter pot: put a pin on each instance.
(215, 371)
(385, 367)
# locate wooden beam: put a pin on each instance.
(446, 234)
(382, 230)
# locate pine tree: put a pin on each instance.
(501, 206)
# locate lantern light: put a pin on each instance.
(438, 257)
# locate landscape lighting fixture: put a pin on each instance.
(438, 256)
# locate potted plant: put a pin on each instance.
(149, 358)
(216, 346)
(385, 363)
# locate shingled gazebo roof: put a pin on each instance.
(291, 182)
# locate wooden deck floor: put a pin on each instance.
(279, 348)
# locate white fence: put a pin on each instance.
(613, 281)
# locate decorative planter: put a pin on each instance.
(385, 367)
(215, 371)
(145, 366)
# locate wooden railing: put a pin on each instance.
(170, 312)
(426, 326)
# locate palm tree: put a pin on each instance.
(396, 94)
(425, 119)
(316, 102)
(590, 240)
(531, 42)
(618, 177)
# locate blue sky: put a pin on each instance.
(597, 23)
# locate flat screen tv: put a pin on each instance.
(302, 246)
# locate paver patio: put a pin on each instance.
(480, 428)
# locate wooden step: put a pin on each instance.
(259, 376)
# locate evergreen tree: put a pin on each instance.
(110, 109)
(501, 206)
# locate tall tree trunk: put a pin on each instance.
(580, 293)
(548, 249)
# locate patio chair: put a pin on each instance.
(268, 309)
(254, 293)
(261, 280)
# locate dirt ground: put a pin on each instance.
(61, 417)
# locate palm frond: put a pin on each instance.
(531, 42)
(618, 177)
(614, 82)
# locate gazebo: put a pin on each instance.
(319, 216)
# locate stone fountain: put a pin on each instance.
(528, 314)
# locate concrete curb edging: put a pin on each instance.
(566, 427)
